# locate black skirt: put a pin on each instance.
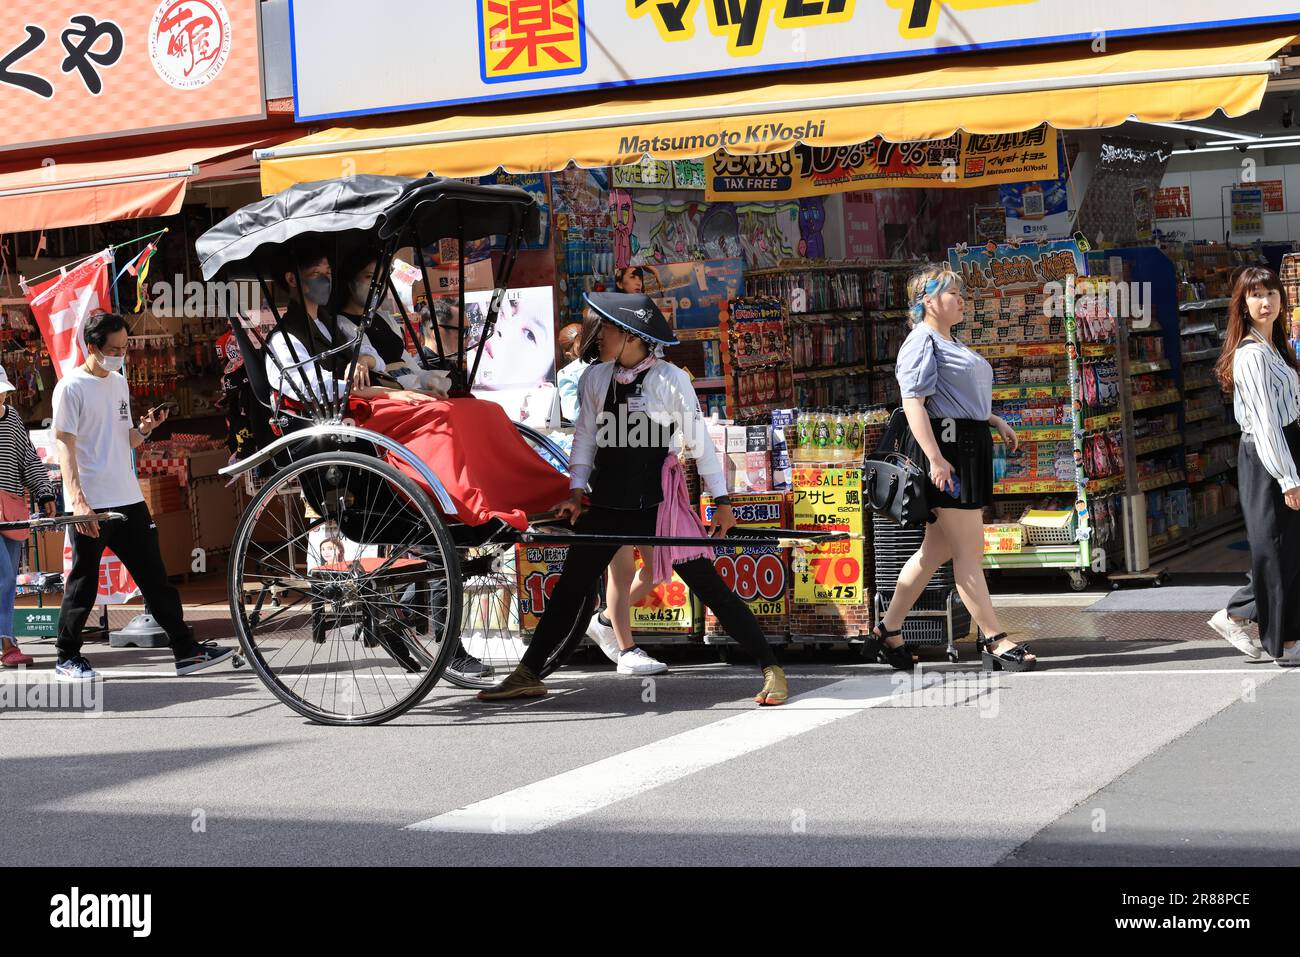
(971, 455)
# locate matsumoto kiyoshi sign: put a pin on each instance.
(491, 49)
(961, 160)
(751, 135)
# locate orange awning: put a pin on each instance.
(1154, 79)
(129, 184)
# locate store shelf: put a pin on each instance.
(887, 313)
(1203, 304)
(1108, 420)
(1141, 368)
(1031, 390)
(830, 373)
(1201, 355)
(710, 383)
(816, 313)
(1003, 349)
(1201, 415)
(1209, 435)
(1033, 486)
(1155, 443)
(1172, 538)
(1050, 486)
(1199, 328)
(1161, 480)
(1204, 531)
(1193, 386)
(1156, 399)
(1151, 330)
(1212, 473)
(1040, 433)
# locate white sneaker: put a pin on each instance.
(1234, 632)
(603, 635)
(637, 662)
(1290, 657)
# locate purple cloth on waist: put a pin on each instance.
(676, 519)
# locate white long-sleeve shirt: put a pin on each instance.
(1266, 399)
(670, 398)
(279, 343)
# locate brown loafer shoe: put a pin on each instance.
(775, 690)
(520, 683)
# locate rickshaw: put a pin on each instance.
(409, 592)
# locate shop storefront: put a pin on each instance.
(776, 216)
(125, 130)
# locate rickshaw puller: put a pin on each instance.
(632, 410)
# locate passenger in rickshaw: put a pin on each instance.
(634, 411)
(382, 346)
(296, 341)
(486, 467)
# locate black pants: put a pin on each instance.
(1272, 595)
(135, 542)
(581, 574)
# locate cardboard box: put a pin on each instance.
(50, 557)
(175, 541)
(204, 464)
(162, 493)
(214, 512)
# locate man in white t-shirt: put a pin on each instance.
(92, 422)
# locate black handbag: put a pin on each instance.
(893, 484)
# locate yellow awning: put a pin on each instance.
(1157, 79)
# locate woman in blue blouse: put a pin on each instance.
(947, 392)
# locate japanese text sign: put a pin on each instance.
(487, 49)
(828, 499)
(84, 69)
(961, 160)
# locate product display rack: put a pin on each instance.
(1009, 328)
(1193, 500)
(848, 331)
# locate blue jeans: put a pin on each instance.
(10, 555)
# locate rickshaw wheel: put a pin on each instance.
(357, 638)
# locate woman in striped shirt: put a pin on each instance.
(1262, 373)
(21, 472)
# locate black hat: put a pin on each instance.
(635, 312)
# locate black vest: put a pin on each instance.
(624, 475)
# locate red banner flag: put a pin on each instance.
(63, 304)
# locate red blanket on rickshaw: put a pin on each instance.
(487, 467)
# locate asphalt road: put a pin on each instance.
(1121, 752)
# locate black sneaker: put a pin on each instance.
(205, 656)
(469, 666)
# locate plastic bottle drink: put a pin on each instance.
(803, 437)
(839, 436)
(856, 435)
(821, 436)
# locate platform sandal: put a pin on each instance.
(1013, 659)
(875, 649)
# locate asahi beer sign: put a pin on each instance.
(487, 49)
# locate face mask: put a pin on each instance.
(112, 363)
(318, 289)
(360, 290)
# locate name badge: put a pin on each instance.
(636, 403)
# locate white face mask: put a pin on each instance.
(112, 363)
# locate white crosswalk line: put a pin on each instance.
(553, 801)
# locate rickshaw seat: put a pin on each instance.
(486, 466)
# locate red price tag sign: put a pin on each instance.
(829, 574)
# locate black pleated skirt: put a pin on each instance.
(971, 454)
